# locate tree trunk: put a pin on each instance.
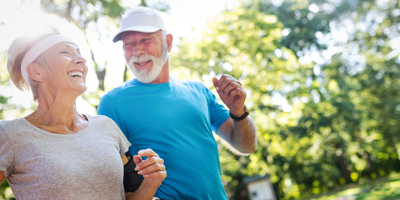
(343, 164)
(125, 74)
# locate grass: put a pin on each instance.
(387, 188)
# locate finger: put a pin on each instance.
(215, 82)
(225, 83)
(147, 153)
(137, 159)
(149, 161)
(152, 168)
(230, 87)
(221, 80)
(237, 92)
(159, 174)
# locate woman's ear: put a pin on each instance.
(35, 71)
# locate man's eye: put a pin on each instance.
(126, 44)
(64, 52)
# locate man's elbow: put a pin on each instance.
(253, 145)
(252, 149)
(247, 150)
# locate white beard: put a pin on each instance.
(149, 75)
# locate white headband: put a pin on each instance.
(38, 49)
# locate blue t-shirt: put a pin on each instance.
(176, 120)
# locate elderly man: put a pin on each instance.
(176, 118)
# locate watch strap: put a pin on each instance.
(246, 113)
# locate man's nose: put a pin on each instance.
(138, 50)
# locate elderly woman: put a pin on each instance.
(55, 152)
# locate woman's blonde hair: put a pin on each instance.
(16, 52)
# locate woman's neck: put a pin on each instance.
(57, 114)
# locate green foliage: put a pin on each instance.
(339, 123)
(325, 106)
(383, 188)
(5, 191)
(3, 78)
(249, 41)
(83, 12)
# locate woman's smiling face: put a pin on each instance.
(66, 67)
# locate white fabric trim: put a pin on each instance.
(38, 49)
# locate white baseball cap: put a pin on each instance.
(141, 22)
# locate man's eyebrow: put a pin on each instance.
(127, 37)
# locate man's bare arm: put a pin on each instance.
(240, 135)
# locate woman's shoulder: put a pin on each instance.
(13, 128)
(104, 123)
(11, 124)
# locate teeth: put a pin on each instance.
(142, 62)
(73, 74)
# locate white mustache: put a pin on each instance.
(142, 58)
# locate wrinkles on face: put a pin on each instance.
(66, 68)
(137, 43)
(146, 54)
(148, 75)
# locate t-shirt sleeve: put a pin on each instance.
(218, 113)
(6, 153)
(122, 141)
(107, 107)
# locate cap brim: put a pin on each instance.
(144, 29)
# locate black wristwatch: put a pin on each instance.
(246, 112)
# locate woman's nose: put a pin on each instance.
(80, 60)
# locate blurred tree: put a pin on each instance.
(246, 44)
(85, 15)
(321, 78)
(90, 17)
(4, 105)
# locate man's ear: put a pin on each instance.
(169, 42)
(35, 71)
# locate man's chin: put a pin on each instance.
(144, 80)
(144, 77)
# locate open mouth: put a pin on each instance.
(142, 63)
(75, 74)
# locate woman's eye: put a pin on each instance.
(64, 52)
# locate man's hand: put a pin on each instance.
(152, 169)
(232, 93)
